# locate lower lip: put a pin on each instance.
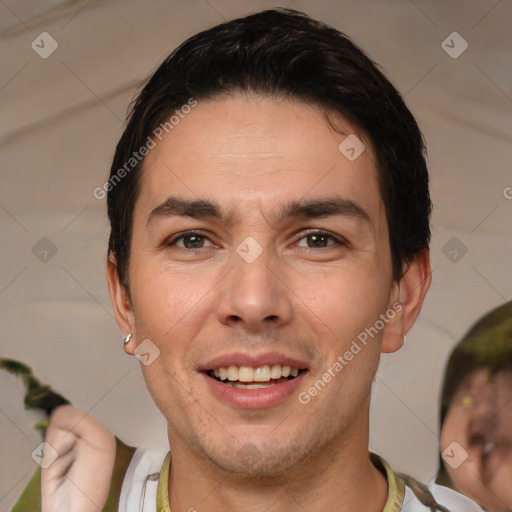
(254, 398)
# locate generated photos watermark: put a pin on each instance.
(141, 153)
(355, 348)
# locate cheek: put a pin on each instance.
(345, 300)
(446, 436)
(168, 389)
(453, 426)
(167, 300)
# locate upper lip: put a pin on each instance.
(252, 360)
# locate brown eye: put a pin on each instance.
(189, 240)
(318, 240)
(193, 241)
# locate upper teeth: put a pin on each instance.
(258, 374)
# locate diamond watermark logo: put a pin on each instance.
(146, 352)
(249, 455)
(44, 45)
(454, 45)
(454, 455)
(351, 148)
(454, 249)
(45, 455)
(44, 250)
(249, 250)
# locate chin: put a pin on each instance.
(257, 465)
(258, 461)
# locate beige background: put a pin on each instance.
(61, 117)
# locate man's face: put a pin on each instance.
(285, 268)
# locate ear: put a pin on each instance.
(120, 298)
(406, 300)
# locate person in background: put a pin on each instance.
(476, 413)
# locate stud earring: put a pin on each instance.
(127, 339)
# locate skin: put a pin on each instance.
(484, 477)
(79, 478)
(253, 155)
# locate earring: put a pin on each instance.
(127, 339)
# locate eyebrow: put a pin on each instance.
(315, 208)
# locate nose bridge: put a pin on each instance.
(253, 292)
(483, 401)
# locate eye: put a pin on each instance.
(316, 239)
(189, 240)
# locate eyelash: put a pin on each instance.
(172, 241)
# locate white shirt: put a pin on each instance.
(140, 488)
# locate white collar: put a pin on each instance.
(140, 485)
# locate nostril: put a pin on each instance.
(477, 440)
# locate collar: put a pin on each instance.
(162, 496)
(396, 488)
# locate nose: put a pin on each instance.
(482, 402)
(254, 294)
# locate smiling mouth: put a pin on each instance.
(261, 377)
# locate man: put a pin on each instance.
(269, 213)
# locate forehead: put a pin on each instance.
(253, 152)
(483, 376)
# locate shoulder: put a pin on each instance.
(406, 494)
(140, 485)
(451, 500)
(30, 498)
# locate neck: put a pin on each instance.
(338, 478)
